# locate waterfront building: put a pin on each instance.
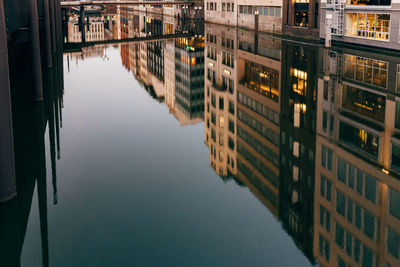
(250, 14)
(370, 22)
(301, 18)
(357, 188)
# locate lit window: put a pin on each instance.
(368, 25)
(299, 81)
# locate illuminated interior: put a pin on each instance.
(366, 70)
(368, 25)
(299, 81)
(262, 79)
(364, 102)
(369, 2)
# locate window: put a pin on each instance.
(341, 171)
(366, 70)
(231, 126)
(231, 143)
(213, 118)
(397, 119)
(393, 243)
(228, 7)
(265, 111)
(223, 6)
(369, 2)
(326, 157)
(228, 59)
(325, 218)
(211, 6)
(277, 11)
(326, 89)
(233, 7)
(221, 103)
(212, 53)
(359, 139)
(221, 121)
(395, 156)
(394, 205)
(231, 86)
(324, 248)
(353, 247)
(324, 121)
(213, 100)
(340, 203)
(299, 81)
(339, 236)
(231, 107)
(326, 188)
(368, 25)
(398, 78)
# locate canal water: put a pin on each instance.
(178, 143)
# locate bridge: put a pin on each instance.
(76, 47)
(121, 2)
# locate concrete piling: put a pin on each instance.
(7, 165)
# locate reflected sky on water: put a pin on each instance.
(188, 144)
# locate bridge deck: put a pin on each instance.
(122, 2)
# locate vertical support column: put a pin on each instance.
(7, 166)
(35, 50)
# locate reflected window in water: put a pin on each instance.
(364, 102)
(259, 108)
(398, 78)
(393, 242)
(396, 156)
(299, 81)
(359, 138)
(394, 205)
(359, 252)
(228, 59)
(397, 123)
(366, 70)
(261, 79)
(324, 248)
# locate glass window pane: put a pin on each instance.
(370, 188)
(394, 207)
(340, 203)
(369, 224)
(341, 171)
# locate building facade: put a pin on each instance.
(251, 14)
(371, 23)
(301, 18)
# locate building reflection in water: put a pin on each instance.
(357, 196)
(314, 135)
